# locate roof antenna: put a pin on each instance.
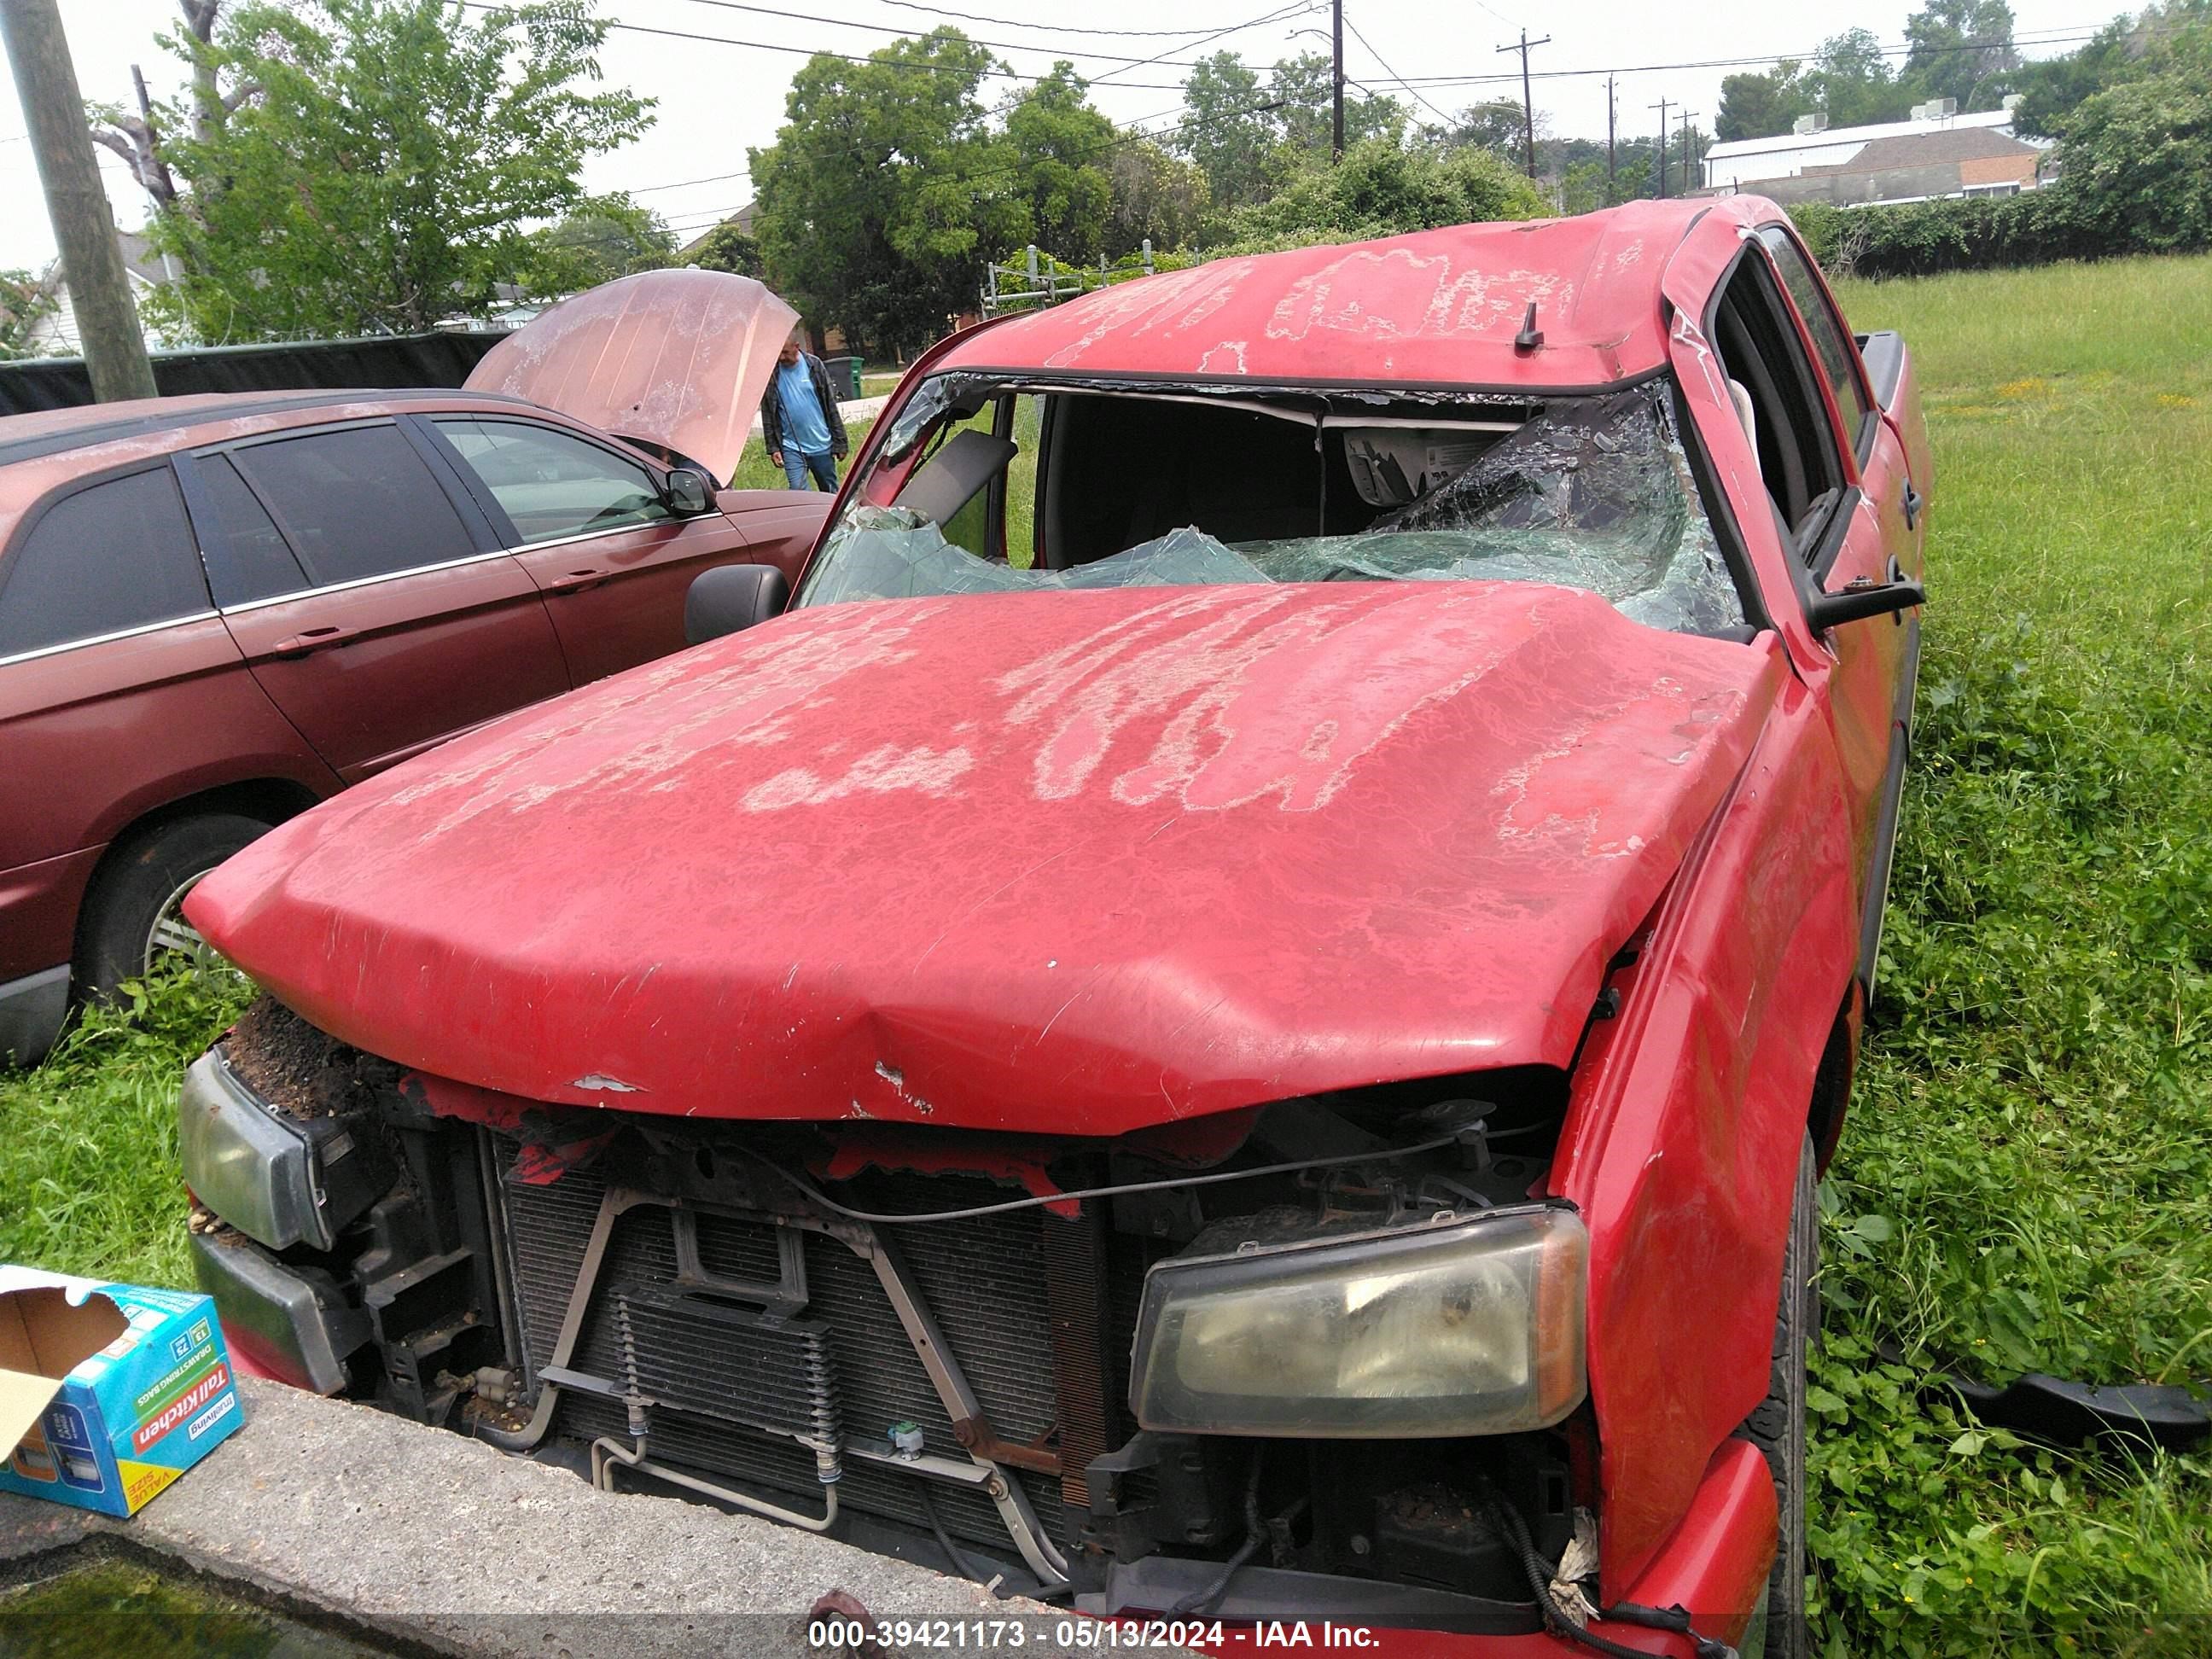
(1530, 336)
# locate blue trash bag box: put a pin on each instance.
(107, 1392)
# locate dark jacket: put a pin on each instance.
(772, 407)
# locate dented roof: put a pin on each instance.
(1437, 308)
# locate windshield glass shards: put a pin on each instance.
(1591, 493)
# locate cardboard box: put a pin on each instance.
(107, 1392)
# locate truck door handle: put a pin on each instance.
(313, 639)
(1911, 503)
(575, 581)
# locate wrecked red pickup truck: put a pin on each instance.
(1230, 1012)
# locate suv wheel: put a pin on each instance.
(1776, 1427)
(134, 916)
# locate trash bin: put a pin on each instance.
(844, 376)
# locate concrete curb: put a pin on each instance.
(444, 1542)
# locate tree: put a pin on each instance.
(1157, 197)
(1230, 129)
(1061, 154)
(352, 166)
(2137, 156)
(728, 247)
(1496, 126)
(1582, 187)
(1961, 49)
(1760, 106)
(137, 136)
(1853, 84)
(1306, 122)
(607, 237)
(885, 190)
(1382, 189)
(2125, 49)
(26, 302)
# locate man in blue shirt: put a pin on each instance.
(798, 419)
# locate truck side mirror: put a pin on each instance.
(1860, 600)
(731, 598)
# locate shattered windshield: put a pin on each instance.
(1590, 492)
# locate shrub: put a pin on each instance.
(1379, 189)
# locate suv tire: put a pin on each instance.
(1777, 1426)
(138, 890)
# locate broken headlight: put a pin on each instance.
(1449, 1328)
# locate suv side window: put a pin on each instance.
(247, 558)
(551, 484)
(1837, 352)
(355, 504)
(111, 556)
(1771, 379)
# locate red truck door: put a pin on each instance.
(376, 616)
(592, 527)
(1870, 694)
(1831, 532)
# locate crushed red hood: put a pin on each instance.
(1077, 863)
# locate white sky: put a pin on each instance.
(716, 99)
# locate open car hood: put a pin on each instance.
(678, 358)
(1077, 863)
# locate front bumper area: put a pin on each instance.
(282, 1322)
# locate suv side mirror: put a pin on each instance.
(732, 597)
(689, 491)
(1863, 600)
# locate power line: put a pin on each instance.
(1282, 15)
(1122, 58)
(711, 179)
(819, 52)
(1053, 29)
(1717, 62)
(1393, 75)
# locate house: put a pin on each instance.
(742, 220)
(55, 335)
(1938, 153)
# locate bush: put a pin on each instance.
(1379, 189)
(2137, 160)
(1920, 239)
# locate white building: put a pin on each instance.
(1816, 149)
(55, 335)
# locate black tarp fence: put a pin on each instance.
(391, 361)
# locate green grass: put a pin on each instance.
(89, 1181)
(2026, 1182)
(756, 471)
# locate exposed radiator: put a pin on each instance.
(984, 1279)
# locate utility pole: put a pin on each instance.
(1336, 79)
(1528, 100)
(1688, 159)
(84, 226)
(1661, 107)
(1612, 187)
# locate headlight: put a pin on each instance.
(1448, 1329)
(244, 1161)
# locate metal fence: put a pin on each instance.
(1038, 279)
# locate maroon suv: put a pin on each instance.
(215, 610)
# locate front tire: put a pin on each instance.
(1776, 1427)
(133, 917)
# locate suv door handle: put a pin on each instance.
(575, 581)
(313, 639)
(1911, 503)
